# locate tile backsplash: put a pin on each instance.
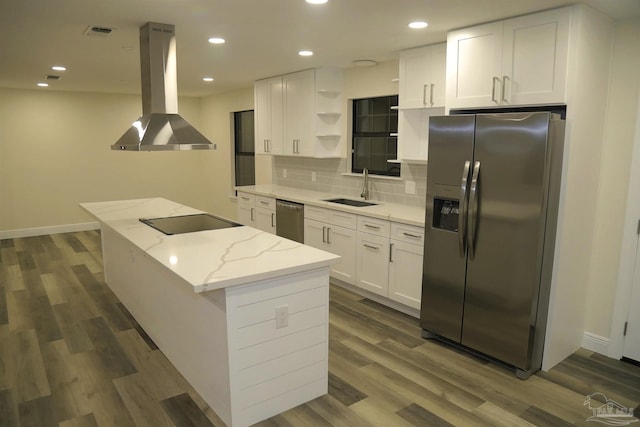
(329, 178)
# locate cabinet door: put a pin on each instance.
(246, 215)
(474, 62)
(372, 271)
(422, 77)
(268, 116)
(299, 96)
(265, 219)
(534, 58)
(314, 234)
(342, 241)
(405, 273)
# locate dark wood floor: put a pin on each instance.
(71, 355)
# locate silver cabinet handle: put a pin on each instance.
(370, 247)
(473, 209)
(328, 235)
(264, 146)
(374, 227)
(493, 90)
(431, 94)
(262, 202)
(251, 214)
(273, 220)
(462, 213)
(323, 231)
(391, 252)
(424, 94)
(244, 198)
(504, 89)
(412, 235)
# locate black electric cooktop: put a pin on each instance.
(188, 223)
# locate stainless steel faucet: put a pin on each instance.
(365, 184)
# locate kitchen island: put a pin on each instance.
(242, 314)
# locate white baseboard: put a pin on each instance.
(595, 343)
(41, 231)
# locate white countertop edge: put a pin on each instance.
(316, 198)
(115, 217)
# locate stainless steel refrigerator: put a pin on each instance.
(493, 183)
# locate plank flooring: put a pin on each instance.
(71, 355)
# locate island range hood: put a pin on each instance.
(160, 128)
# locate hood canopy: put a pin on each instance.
(160, 127)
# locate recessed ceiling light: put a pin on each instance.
(43, 84)
(59, 68)
(418, 25)
(305, 53)
(207, 79)
(316, 1)
(216, 40)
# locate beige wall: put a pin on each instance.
(614, 178)
(55, 153)
(216, 114)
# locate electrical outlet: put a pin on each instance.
(313, 176)
(410, 187)
(282, 316)
(284, 173)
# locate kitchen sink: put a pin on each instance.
(350, 202)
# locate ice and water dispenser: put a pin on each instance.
(446, 207)
(445, 214)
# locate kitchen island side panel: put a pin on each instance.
(190, 329)
(278, 362)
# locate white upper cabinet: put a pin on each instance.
(300, 114)
(519, 61)
(268, 116)
(422, 77)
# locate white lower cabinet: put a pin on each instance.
(337, 240)
(246, 209)
(378, 256)
(257, 211)
(405, 273)
(372, 272)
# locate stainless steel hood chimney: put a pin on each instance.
(160, 127)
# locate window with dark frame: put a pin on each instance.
(375, 135)
(244, 148)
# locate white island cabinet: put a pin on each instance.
(241, 313)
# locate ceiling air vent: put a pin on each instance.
(51, 77)
(97, 31)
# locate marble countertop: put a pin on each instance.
(390, 211)
(212, 259)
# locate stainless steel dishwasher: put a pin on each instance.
(290, 220)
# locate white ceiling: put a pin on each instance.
(263, 36)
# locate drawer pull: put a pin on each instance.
(412, 235)
(371, 247)
(244, 198)
(262, 202)
(374, 227)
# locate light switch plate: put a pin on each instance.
(282, 316)
(410, 187)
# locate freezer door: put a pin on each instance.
(443, 277)
(507, 210)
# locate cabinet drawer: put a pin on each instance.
(246, 199)
(407, 233)
(319, 214)
(379, 227)
(266, 202)
(331, 216)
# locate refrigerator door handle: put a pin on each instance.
(473, 209)
(462, 214)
